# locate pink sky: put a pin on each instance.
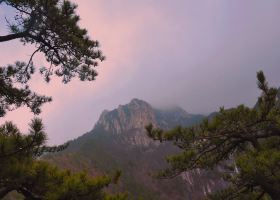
(197, 54)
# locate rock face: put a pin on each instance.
(135, 115)
(119, 141)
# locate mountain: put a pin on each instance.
(130, 120)
(119, 141)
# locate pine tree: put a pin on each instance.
(52, 27)
(23, 172)
(245, 141)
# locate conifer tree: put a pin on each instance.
(245, 141)
(21, 171)
(52, 27)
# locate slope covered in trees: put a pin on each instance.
(119, 141)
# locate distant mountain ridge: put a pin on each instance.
(119, 141)
(137, 114)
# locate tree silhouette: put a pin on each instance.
(246, 141)
(52, 27)
(21, 171)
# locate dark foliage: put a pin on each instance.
(21, 171)
(52, 27)
(247, 138)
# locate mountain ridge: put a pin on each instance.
(145, 114)
(119, 141)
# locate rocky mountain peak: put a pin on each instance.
(137, 114)
(134, 115)
(138, 102)
(119, 141)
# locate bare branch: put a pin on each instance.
(13, 36)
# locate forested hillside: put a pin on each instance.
(119, 142)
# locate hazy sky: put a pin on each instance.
(199, 55)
